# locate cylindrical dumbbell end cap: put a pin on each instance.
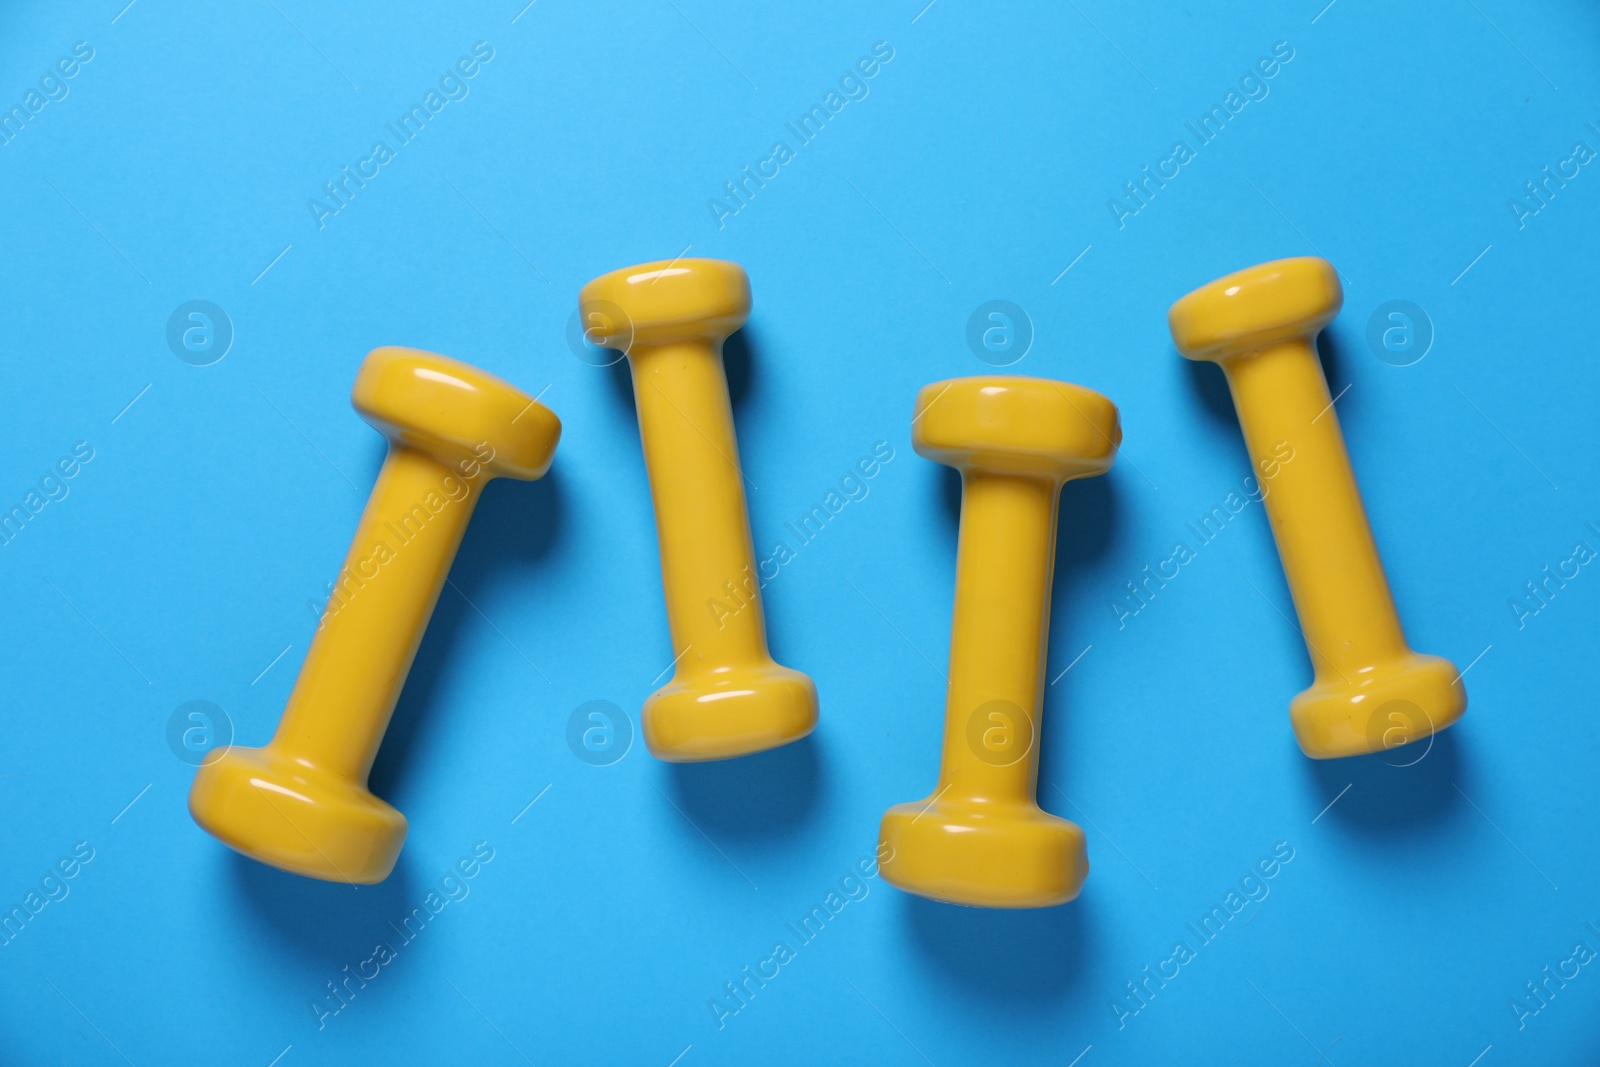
(1256, 308)
(1017, 425)
(297, 817)
(455, 411)
(665, 302)
(960, 853)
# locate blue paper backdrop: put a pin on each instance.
(208, 506)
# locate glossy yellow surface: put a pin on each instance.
(981, 838)
(1371, 691)
(301, 803)
(727, 697)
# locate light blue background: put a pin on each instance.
(189, 550)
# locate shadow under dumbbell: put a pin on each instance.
(1028, 954)
(1331, 351)
(324, 921)
(514, 526)
(1211, 385)
(769, 793)
(619, 380)
(1405, 790)
(1090, 515)
(737, 363)
(949, 490)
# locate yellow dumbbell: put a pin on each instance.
(981, 838)
(1371, 691)
(727, 697)
(301, 803)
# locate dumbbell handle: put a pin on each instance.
(376, 616)
(686, 425)
(1005, 561)
(1341, 594)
